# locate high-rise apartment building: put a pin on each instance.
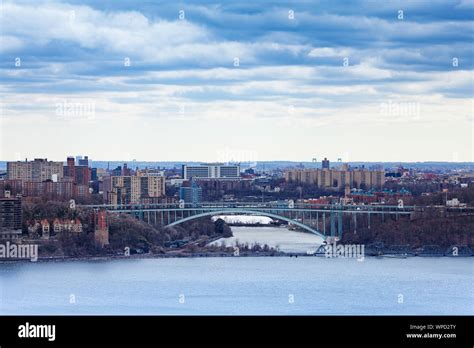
(48, 179)
(10, 217)
(191, 193)
(37, 170)
(84, 161)
(80, 173)
(339, 179)
(131, 189)
(69, 169)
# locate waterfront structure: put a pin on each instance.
(10, 217)
(211, 171)
(37, 170)
(190, 193)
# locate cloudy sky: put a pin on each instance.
(242, 80)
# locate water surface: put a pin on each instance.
(240, 285)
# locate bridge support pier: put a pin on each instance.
(324, 223)
(354, 216)
(333, 224)
(339, 224)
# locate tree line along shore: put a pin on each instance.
(431, 230)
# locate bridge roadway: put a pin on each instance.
(311, 217)
(257, 205)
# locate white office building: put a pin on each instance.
(211, 171)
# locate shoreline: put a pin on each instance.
(216, 255)
(370, 252)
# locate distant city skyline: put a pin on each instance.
(212, 82)
(93, 162)
(305, 160)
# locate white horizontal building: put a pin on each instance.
(211, 171)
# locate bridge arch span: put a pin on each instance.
(247, 212)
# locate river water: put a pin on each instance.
(276, 237)
(242, 285)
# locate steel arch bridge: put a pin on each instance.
(254, 212)
(310, 217)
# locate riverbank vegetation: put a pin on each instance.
(126, 232)
(433, 226)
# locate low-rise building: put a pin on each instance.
(67, 226)
(455, 203)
